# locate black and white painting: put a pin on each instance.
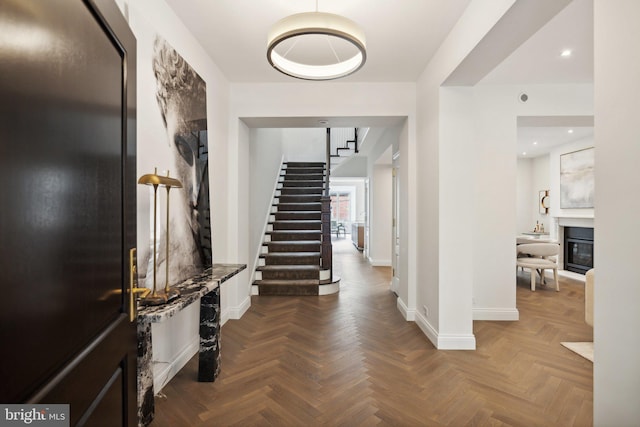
(179, 148)
(577, 181)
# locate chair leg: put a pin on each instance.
(555, 277)
(533, 279)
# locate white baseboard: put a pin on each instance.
(395, 284)
(445, 341)
(408, 314)
(380, 262)
(169, 369)
(427, 329)
(235, 312)
(507, 314)
(456, 342)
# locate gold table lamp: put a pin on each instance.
(155, 297)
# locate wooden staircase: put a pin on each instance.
(291, 259)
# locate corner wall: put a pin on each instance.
(486, 34)
(616, 372)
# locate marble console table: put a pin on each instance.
(206, 288)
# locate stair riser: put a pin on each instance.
(284, 290)
(290, 191)
(299, 207)
(303, 171)
(296, 225)
(303, 177)
(291, 275)
(284, 247)
(280, 237)
(292, 260)
(284, 215)
(299, 198)
(305, 164)
(305, 183)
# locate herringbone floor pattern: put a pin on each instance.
(351, 360)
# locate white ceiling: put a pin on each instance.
(538, 61)
(402, 36)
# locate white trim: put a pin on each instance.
(456, 342)
(395, 284)
(508, 314)
(235, 312)
(325, 274)
(380, 262)
(170, 369)
(329, 288)
(266, 222)
(408, 314)
(444, 341)
(427, 329)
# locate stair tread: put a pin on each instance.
(289, 267)
(298, 203)
(293, 242)
(295, 231)
(297, 221)
(299, 212)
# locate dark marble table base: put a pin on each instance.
(205, 287)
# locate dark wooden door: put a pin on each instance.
(67, 207)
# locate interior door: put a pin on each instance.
(67, 207)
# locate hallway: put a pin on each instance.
(350, 359)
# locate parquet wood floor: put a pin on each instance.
(351, 360)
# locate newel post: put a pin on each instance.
(327, 251)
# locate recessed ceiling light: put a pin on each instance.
(570, 131)
(323, 122)
(535, 142)
(524, 153)
(565, 53)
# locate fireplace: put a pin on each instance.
(578, 249)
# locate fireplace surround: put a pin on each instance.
(578, 249)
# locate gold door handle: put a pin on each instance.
(133, 289)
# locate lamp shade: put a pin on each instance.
(316, 46)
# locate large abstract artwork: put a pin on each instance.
(577, 181)
(180, 97)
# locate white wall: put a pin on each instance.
(616, 371)
(534, 176)
(379, 170)
(524, 190)
(380, 215)
(266, 156)
(176, 341)
(305, 145)
(436, 293)
(541, 181)
(235, 294)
